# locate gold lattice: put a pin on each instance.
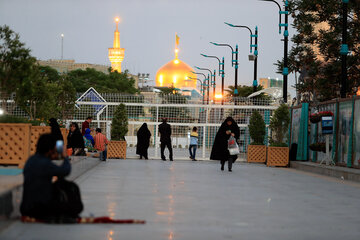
(14, 143)
(116, 149)
(278, 156)
(256, 154)
(36, 131)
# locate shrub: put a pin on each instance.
(279, 125)
(257, 128)
(119, 124)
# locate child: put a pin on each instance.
(100, 144)
(194, 137)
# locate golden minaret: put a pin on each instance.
(116, 54)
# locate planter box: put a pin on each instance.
(14, 143)
(277, 157)
(256, 154)
(116, 149)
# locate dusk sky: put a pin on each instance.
(147, 32)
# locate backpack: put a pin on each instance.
(67, 197)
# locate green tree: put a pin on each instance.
(119, 125)
(16, 63)
(279, 125)
(113, 82)
(257, 128)
(316, 49)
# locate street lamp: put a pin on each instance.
(221, 71)
(202, 90)
(62, 46)
(344, 49)
(255, 46)
(212, 82)
(234, 62)
(207, 85)
(286, 41)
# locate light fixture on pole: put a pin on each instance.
(62, 46)
(252, 57)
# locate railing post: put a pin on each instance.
(156, 132)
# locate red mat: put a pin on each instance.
(27, 219)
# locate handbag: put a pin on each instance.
(233, 147)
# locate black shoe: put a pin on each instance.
(194, 159)
(146, 158)
(230, 170)
(140, 157)
(163, 159)
(222, 168)
(171, 160)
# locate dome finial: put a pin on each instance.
(177, 38)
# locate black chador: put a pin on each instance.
(143, 141)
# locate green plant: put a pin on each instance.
(119, 126)
(15, 119)
(257, 128)
(279, 125)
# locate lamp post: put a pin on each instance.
(204, 82)
(221, 71)
(255, 46)
(234, 62)
(62, 46)
(344, 49)
(286, 41)
(202, 90)
(212, 80)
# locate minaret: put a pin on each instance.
(116, 54)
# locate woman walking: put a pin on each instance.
(220, 148)
(143, 141)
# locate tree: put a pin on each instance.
(316, 50)
(279, 125)
(119, 125)
(113, 82)
(16, 63)
(257, 128)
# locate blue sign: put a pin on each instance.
(327, 125)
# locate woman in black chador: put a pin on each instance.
(55, 129)
(75, 140)
(143, 141)
(220, 147)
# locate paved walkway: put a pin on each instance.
(195, 200)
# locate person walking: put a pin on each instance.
(75, 140)
(100, 144)
(143, 141)
(85, 125)
(220, 147)
(194, 138)
(165, 139)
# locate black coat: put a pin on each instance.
(165, 132)
(143, 140)
(75, 139)
(37, 188)
(55, 129)
(220, 150)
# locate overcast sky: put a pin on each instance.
(147, 32)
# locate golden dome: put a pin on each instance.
(175, 73)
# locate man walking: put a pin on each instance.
(165, 139)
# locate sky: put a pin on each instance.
(147, 32)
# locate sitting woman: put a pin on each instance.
(89, 141)
(75, 140)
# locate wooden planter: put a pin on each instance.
(277, 157)
(116, 149)
(256, 154)
(14, 143)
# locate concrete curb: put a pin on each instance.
(344, 173)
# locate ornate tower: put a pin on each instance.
(116, 54)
